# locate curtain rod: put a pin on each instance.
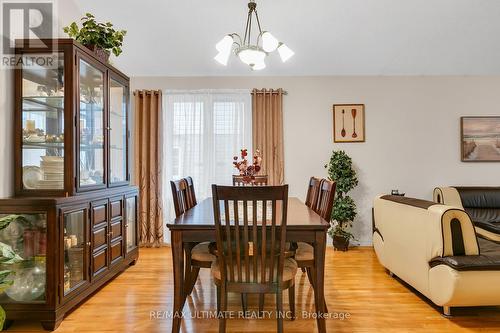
(146, 92)
(149, 92)
(274, 91)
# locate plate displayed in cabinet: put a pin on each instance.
(34, 139)
(32, 175)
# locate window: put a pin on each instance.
(203, 131)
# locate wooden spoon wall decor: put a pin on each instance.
(354, 112)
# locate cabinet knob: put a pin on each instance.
(88, 243)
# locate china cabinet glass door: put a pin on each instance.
(91, 126)
(131, 222)
(118, 99)
(43, 125)
(74, 250)
(23, 244)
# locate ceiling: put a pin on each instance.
(329, 37)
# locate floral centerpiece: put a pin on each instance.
(248, 171)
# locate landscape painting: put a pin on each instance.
(481, 139)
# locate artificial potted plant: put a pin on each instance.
(101, 38)
(341, 171)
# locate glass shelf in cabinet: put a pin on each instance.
(44, 75)
(49, 114)
(56, 102)
(42, 145)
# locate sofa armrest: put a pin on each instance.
(437, 229)
(458, 233)
(447, 196)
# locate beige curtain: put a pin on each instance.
(147, 166)
(267, 132)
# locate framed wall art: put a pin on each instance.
(480, 139)
(349, 123)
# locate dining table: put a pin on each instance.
(197, 225)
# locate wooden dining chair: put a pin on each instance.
(326, 199)
(198, 255)
(260, 180)
(320, 198)
(312, 196)
(190, 193)
(250, 226)
(313, 192)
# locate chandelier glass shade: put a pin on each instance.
(251, 54)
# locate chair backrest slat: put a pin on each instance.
(273, 238)
(326, 198)
(263, 249)
(246, 241)
(237, 240)
(229, 242)
(265, 229)
(255, 240)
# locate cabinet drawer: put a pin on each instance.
(116, 229)
(116, 251)
(99, 214)
(99, 262)
(99, 237)
(116, 208)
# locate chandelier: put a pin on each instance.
(251, 54)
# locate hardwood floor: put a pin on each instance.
(355, 285)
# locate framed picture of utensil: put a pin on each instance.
(349, 123)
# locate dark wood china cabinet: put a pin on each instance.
(72, 224)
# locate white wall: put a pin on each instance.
(412, 130)
(6, 135)
(66, 11)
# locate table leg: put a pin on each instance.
(319, 287)
(178, 266)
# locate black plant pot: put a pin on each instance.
(340, 243)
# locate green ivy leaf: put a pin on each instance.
(102, 35)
